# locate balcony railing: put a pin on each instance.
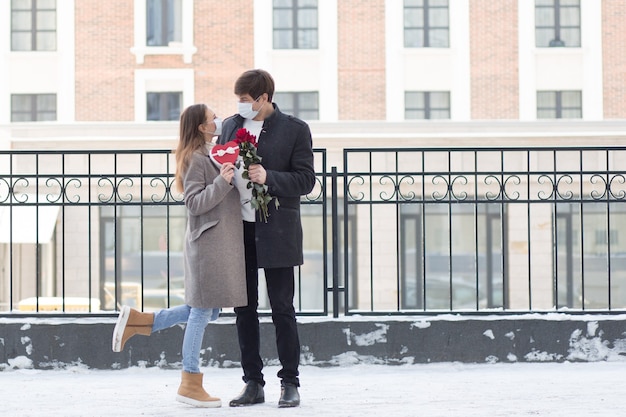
(393, 231)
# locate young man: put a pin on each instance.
(285, 146)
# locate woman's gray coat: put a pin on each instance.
(214, 262)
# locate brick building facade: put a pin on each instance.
(383, 60)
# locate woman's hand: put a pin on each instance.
(227, 171)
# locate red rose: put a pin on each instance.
(243, 136)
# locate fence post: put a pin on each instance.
(335, 241)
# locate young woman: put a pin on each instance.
(213, 253)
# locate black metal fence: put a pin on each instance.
(395, 231)
(484, 230)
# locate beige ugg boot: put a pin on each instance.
(191, 392)
(129, 323)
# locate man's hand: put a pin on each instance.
(257, 173)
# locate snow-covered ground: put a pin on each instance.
(441, 389)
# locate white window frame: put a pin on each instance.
(448, 69)
(23, 68)
(561, 69)
(428, 108)
(162, 80)
(185, 48)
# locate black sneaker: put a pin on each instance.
(251, 394)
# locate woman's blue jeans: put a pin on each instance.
(197, 320)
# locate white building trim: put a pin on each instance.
(66, 62)
(22, 71)
(5, 54)
(447, 69)
(591, 26)
(162, 80)
(560, 69)
(301, 69)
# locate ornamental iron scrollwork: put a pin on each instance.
(317, 197)
(62, 195)
(8, 187)
(462, 196)
(115, 190)
(50, 183)
(129, 196)
(178, 198)
(383, 181)
(597, 179)
(617, 179)
(450, 193)
(410, 181)
(160, 183)
(77, 184)
(515, 195)
(567, 179)
(542, 180)
(350, 196)
(489, 180)
(16, 196)
(101, 183)
(437, 196)
(556, 184)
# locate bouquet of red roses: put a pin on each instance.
(247, 150)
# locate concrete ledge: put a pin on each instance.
(50, 343)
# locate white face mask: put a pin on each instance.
(218, 126)
(246, 111)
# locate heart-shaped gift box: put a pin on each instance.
(228, 152)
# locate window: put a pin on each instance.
(33, 25)
(559, 105)
(33, 107)
(141, 256)
(426, 24)
(439, 270)
(304, 105)
(426, 105)
(557, 23)
(603, 239)
(163, 22)
(583, 241)
(295, 24)
(163, 27)
(164, 105)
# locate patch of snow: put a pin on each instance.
(491, 359)
(421, 324)
(592, 327)
(29, 345)
(20, 362)
(536, 356)
(368, 339)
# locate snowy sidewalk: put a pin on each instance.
(442, 389)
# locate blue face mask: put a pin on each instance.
(245, 110)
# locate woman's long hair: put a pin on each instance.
(191, 139)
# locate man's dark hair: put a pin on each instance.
(255, 82)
